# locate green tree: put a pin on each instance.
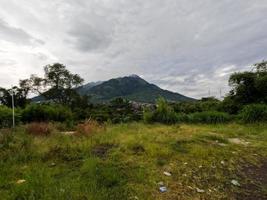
(57, 85)
(249, 86)
(20, 94)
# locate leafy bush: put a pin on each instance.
(163, 114)
(148, 116)
(41, 112)
(6, 117)
(205, 104)
(209, 117)
(254, 113)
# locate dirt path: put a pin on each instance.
(255, 184)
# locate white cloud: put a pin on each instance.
(185, 46)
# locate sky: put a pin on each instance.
(190, 47)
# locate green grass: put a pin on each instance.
(127, 161)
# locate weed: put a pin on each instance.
(102, 150)
(88, 128)
(39, 128)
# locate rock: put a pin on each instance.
(190, 187)
(222, 162)
(68, 133)
(62, 190)
(52, 164)
(238, 141)
(200, 190)
(167, 173)
(163, 189)
(235, 183)
(161, 183)
(185, 163)
(21, 181)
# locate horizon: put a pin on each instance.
(190, 48)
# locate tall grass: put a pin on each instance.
(254, 113)
(209, 117)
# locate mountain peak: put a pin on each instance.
(134, 76)
(133, 88)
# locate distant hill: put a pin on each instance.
(131, 87)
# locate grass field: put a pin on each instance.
(128, 161)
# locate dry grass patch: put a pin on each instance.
(39, 128)
(88, 128)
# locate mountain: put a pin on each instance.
(84, 88)
(130, 87)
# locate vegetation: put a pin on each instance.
(209, 117)
(254, 113)
(132, 88)
(68, 147)
(39, 113)
(127, 161)
(5, 116)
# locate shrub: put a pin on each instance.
(39, 128)
(148, 116)
(87, 128)
(209, 117)
(6, 117)
(254, 113)
(41, 113)
(163, 114)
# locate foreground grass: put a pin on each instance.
(127, 162)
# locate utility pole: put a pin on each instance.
(13, 108)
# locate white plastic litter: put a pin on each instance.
(200, 190)
(163, 189)
(235, 182)
(167, 173)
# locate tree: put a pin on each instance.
(58, 84)
(20, 96)
(248, 87)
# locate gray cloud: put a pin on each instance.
(89, 38)
(16, 35)
(189, 47)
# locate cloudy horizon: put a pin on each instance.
(189, 47)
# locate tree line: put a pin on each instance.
(61, 101)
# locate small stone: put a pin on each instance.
(161, 183)
(21, 181)
(52, 164)
(62, 190)
(235, 183)
(200, 166)
(222, 162)
(167, 173)
(190, 187)
(163, 189)
(200, 190)
(185, 163)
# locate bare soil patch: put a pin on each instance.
(255, 186)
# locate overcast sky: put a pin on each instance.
(185, 46)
